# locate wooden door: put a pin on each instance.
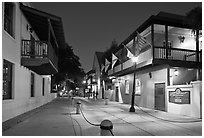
(160, 96)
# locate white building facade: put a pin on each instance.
(27, 59)
(168, 70)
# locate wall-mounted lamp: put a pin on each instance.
(112, 77)
(29, 28)
(113, 80)
(119, 80)
(181, 38)
(150, 75)
(176, 72)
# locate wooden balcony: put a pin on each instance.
(176, 57)
(39, 56)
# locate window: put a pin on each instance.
(137, 87)
(126, 87)
(32, 84)
(8, 18)
(43, 86)
(7, 80)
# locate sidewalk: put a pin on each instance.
(59, 118)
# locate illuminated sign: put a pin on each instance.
(179, 97)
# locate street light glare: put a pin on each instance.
(135, 59)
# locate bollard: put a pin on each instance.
(106, 126)
(77, 107)
(106, 101)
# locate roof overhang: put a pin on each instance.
(162, 19)
(39, 22)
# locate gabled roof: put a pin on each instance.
(39, 22)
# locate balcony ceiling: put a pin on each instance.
(45, 69)
(39, 22)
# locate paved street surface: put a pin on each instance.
(59, 118)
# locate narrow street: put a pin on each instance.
(59, 118)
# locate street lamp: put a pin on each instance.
(132, 109)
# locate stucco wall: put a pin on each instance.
(11, 50)
(194, 109)
(22, 101)
(147, 86)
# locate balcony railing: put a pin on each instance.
(175, 54)
(34, 49)
(38, 49)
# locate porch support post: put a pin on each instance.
(52, 32)
(166, 40)
(152, 34)
(168, 76)
(48, 31)
(197, 45)
(197, 55)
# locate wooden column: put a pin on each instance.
(197, 55)
(48, 38)
(166, 40)
(168, 76)
(197, 45)
(152, 35)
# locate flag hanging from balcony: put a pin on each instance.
(114, 60)
(102, 67)
(107, 64)
(141, 42)
(129, 54)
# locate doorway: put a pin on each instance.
(159, 96)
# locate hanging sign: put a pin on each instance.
(179, 97)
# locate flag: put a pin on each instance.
(114, 60)
(141, 42)
(129, 54)
(102, 67)
(107, 64)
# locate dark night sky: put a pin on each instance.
(91, 27)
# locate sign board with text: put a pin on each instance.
(179, 97)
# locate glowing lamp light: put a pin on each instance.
(84, 82)
(135, 59)
(113, 80)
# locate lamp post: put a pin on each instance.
(132, 109)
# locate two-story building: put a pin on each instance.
(168, 67)
(98, 81)
(30, 43)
